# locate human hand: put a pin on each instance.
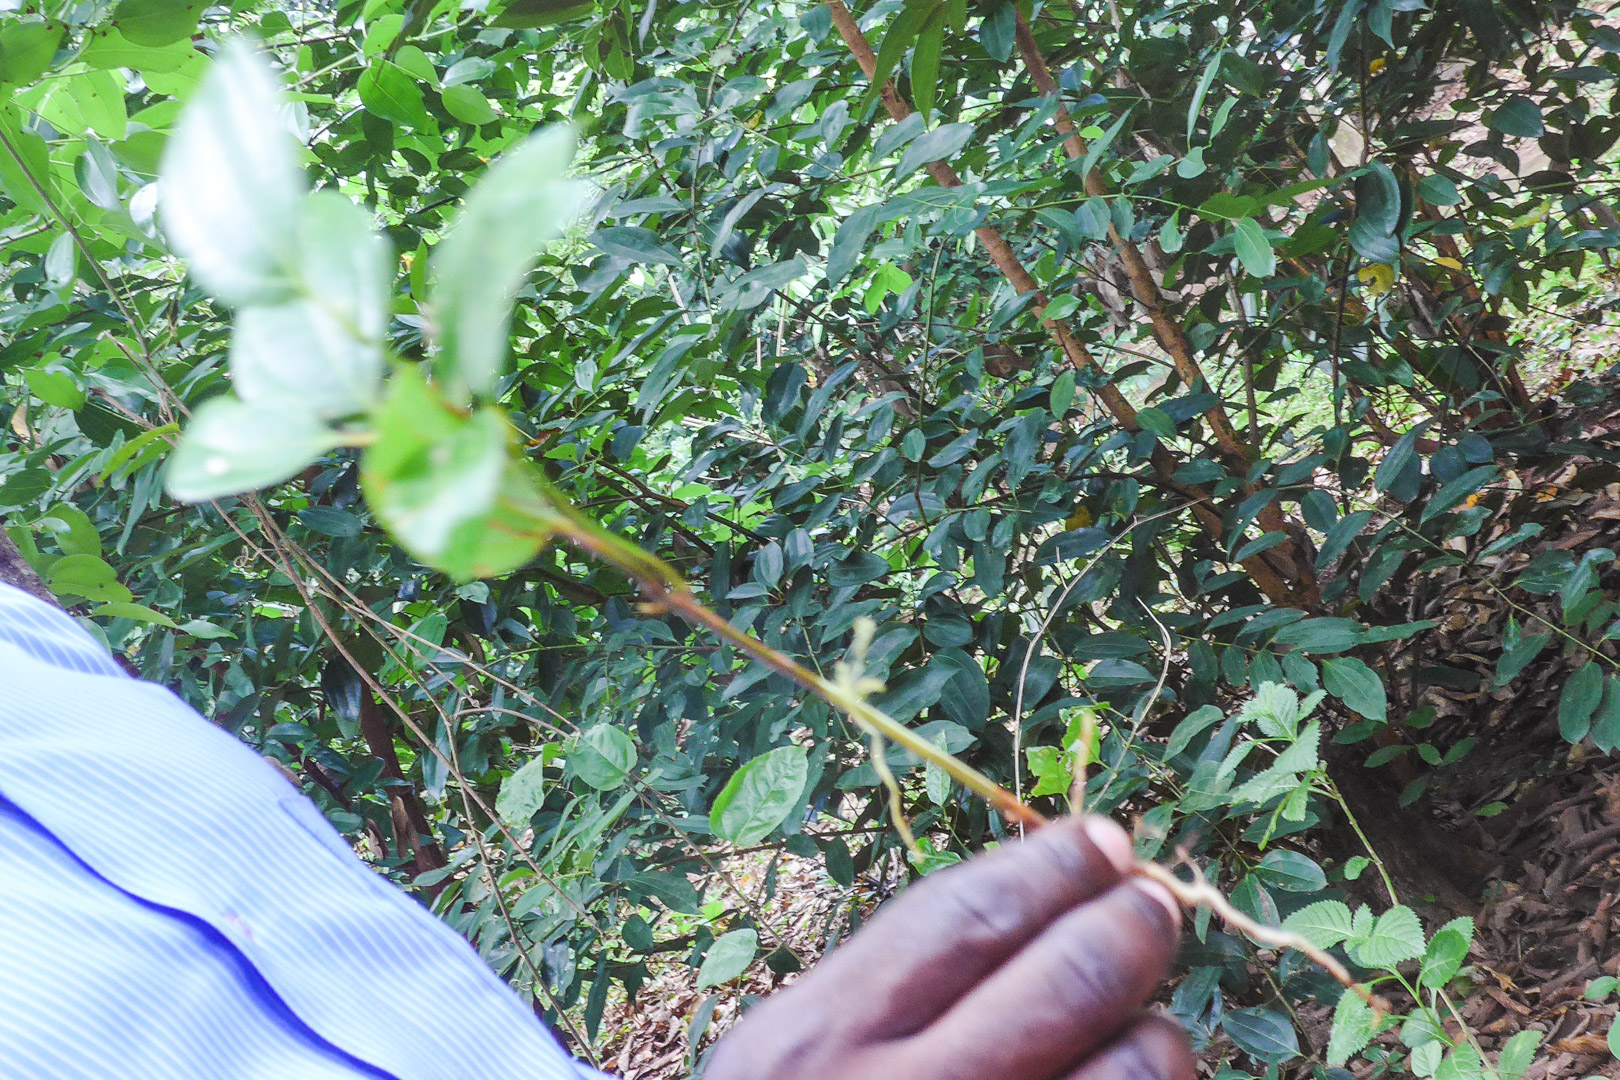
(1029, 963)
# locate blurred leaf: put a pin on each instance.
(230, 183)
(230, 447)
(523, 200)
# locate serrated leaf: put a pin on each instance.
(1518, 1054)
(1396, 937)
(1324, 923)
(1447, 951)
(1352, 1028)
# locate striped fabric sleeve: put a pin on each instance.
(50, 635)
(162, 811)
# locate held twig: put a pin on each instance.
(665, 591)
(1200, 891)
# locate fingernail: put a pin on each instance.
(1162, 895)
(1112, 841)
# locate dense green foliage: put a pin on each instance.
(1156, 420)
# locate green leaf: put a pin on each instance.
(446, 484)
(1291, 871)
(603, 757)
(728, 958)
(1396, 937)
(1324, 923)
(1061, 395)
(1352, 1028)
(1321, 635)
(760, 795)
(1456, 490)
(1264, 1034)
(939, 144)
(27, 47)
(1600, 988)
(1614, 1037)
(1518, 649)
(522, 794)
(321, 353)
(87, 576)
(155, 23)
(56, 388)
(523, 201)
(230, 184)
(389, 91)
(1253, 249)
(1519, 1053)
(1518, 117)
(1439, 190)
(230, 446)
(1205, 81)
(925, 63)
(849, 243)
(1447, 951)
(1378, 197)
(1579, 701)
(1357, 685)
(1463, 1063)
(1099, 147)
(137, 612)
(528, 14)
(467, 104)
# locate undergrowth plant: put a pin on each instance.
(441, 466)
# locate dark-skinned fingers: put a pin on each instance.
(945, 934)
(1153, 1049)
(1067, 994)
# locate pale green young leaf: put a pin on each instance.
(1463, 1063)
(522, 793)
(231, 446)
(230, 182)
(1447, 951)
(728, 957)
(759, 795)
(523, 200)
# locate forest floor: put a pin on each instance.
(1521, 834)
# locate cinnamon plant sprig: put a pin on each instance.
(442, 467)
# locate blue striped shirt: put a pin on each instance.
(171, 908)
